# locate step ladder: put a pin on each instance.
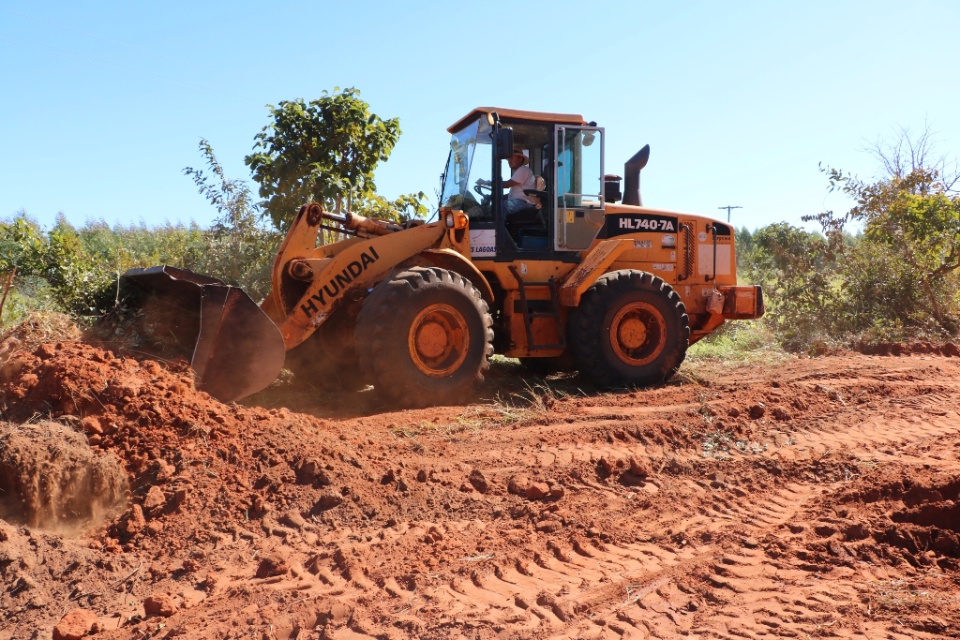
(530, 311)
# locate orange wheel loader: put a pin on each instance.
(582, 277)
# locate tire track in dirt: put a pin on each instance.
(770, 575)
(726, 569)
(680, 566)
(877, 439)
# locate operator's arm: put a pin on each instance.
(481, 182)
(512, 182)
(489, 183)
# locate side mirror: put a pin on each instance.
(504, 143)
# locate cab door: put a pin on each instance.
(578, 176)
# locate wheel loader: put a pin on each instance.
(586, 278)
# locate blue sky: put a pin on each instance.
(102, 104)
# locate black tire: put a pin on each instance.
(631, 328)
(425, 337)
(328, 358)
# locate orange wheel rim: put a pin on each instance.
(638, 333)
(439, 340)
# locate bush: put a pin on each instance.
(77, 270)
(798, 275)
(27, 296)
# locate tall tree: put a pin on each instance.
(324, 150)
(913, 212)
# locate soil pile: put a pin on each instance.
(51, 478)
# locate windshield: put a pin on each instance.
(471, 153)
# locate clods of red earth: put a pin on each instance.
(799, 498)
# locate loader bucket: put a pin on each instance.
(233, 347)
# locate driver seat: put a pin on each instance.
(539, 192)
(529, 227)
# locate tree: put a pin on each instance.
(230, 197)
(913, 212)
(22, 245)
(404, 207)
(907, 153)
(325, 150)
(239, 251)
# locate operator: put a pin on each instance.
(522, 178)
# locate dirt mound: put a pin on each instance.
(148, 415)
(51, 478)
(38, 328)
(912, 518)
(908, 348)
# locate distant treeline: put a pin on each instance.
(822, 289)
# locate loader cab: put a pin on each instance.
(565, 155)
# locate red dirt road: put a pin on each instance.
(805, 498)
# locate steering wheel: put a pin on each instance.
(480, 187)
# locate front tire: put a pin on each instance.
(631, 328)
(424, 337)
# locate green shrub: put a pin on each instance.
(77, 270)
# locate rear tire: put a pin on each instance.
(631, 328)
(425, 337)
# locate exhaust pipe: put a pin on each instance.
(631, 173)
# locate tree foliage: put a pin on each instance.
(22, 243)
(231, 198)
(878, 296)
(914, 215)
(240, 250)
(325, 150)
(794, 268)
(79, 268)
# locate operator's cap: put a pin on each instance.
(520, 152)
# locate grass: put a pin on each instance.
(537, 397)
(721, 444)
(530, 403)
(899, 595)
(738, 341)
(736, 345)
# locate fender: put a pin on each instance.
(593, 265)
(358, 263)
(454, 261)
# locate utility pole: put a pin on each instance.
(728, 208)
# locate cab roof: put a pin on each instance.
(518, 114)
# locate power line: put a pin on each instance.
(728, 208)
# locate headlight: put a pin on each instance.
(456, 220)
